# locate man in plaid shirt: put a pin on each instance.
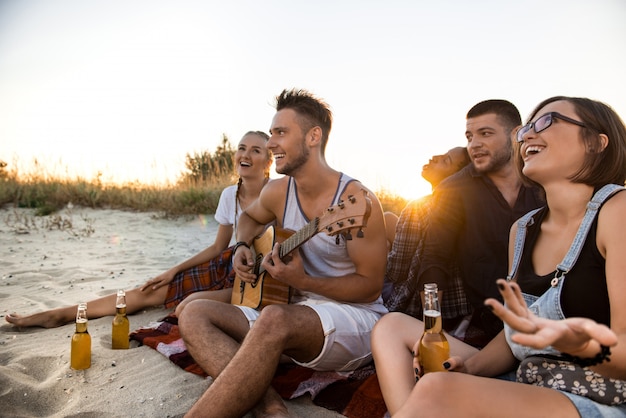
(403, 259)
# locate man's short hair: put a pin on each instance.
(507, 113)
(312, 110)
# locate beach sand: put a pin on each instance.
(77, 255)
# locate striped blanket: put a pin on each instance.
(353, 394)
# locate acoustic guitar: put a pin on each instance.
(265, 290)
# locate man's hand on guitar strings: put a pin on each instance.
(287, 269)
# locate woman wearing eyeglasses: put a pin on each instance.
(565, 335)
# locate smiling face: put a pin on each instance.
(252, 158)
(488, 143)
(287, 142)
(558, 152)
(441, 166)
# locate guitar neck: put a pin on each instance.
(299, 238)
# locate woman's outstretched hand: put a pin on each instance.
(570, 335)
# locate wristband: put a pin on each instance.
(240, 244)
(603, 355)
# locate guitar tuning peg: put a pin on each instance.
(348, 236)
(351, 198)
(351, 221)
(360, 234)
(340, 224)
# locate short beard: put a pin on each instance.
(499, 160)
(293, 167)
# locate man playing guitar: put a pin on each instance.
(336, 279)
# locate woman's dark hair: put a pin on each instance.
(601, 166)
(465, 158)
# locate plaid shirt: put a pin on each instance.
(403, 266)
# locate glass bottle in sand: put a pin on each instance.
(121, 326)
(434, 349)
(80, 357)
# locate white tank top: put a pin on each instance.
(322, 255)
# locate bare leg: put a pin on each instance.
(222, 295)
(473, 396)
(249, 368)
(393, 339)
(104, 306)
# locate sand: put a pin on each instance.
(77, 255)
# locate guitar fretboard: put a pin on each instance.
(299, 238)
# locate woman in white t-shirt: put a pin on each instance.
(207, 274)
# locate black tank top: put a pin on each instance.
(584, 290)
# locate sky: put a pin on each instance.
(127, 88)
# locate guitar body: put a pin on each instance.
(266, 290)
(345, 216)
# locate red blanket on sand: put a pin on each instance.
(353, 394)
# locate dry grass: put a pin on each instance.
(48, 194)
(391, 202)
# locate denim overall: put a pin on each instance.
(548, 305)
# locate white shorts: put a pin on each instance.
(347, 330)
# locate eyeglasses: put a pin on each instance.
(543, 123)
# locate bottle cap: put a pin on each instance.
(430, 286)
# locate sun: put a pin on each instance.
(413, 189)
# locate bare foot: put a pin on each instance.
(271, 406)
(274, 413)
(43, 319)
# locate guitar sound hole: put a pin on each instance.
(257, 268)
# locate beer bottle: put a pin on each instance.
(434, 349)
(80, 357)
(121, 327)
